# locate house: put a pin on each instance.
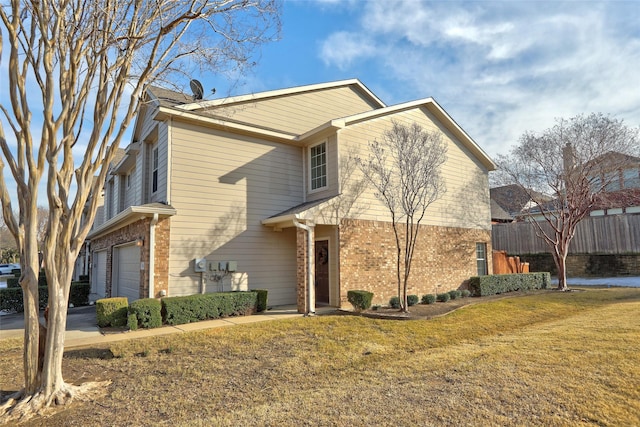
(263, 191)
(620, 175)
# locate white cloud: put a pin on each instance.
(501, 68)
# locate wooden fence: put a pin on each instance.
(615, 234)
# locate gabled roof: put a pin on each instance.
(513, 198)
(283, 92)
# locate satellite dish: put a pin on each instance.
(197, 89)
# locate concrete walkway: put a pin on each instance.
(82, 329)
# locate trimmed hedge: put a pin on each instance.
(11, 298)
(444, 297)
(455, 294)
(428, 299)
(412, 300)
(145, 313)
(261, 301)
(500, 283)
(394, 302)
(360, 300)
(112, 311)
(192, 308)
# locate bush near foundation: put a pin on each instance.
(360, 300)
(444, 297)
(428, 299)
(145, 313)
(261, 301)
(500, 283)
(455, 294)
(412, 300)
(193, 308)
(112, 311)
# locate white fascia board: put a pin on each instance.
(280, 92)
(128, 216)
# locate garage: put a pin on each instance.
(99, 279)
(126, 272)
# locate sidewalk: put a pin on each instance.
(82, 329)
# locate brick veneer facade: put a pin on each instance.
(444, 259)
(301, 273)
(129, 234)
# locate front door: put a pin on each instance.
(322, 271)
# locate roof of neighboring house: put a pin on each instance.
(499, 214)
(169, 98)
(513, 198)
(614, 160)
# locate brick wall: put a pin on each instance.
(445, 258)
(301, 273)
(130, 233)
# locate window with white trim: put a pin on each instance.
(481, 258)
(154, 170)
(318, 165)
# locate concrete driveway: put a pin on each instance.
(81, 323)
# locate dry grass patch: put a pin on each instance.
(545, 359)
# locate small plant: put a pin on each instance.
(466, 293)
(360, 300)
(428, 299)
(394, 302)
(412, 300)
(376, 307)
(455, 294)
(443, 297)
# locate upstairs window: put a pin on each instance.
(154, 170)
(318, 166)
(631, 178)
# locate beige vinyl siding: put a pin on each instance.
(223, 186)
(297, 113)
(466, 201)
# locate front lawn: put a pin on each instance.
(545, 359)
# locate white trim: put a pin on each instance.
(169, 125)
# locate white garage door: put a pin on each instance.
(126, 272)
(99, 284)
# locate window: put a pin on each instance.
(154, 170)
(631, 178)
(612, 181)
(318, 169)
(481, 258)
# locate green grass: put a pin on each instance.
(548, 359)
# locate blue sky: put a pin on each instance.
(499, 68)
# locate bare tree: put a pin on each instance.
(404, 168)
(76, 73)
(574, 162)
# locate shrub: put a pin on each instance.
(466, 293)
(83, 278)
(12, 282)
(146, 313)
(132, 321)
(112, 311)
(360, 300)
(443, 297)
(394, 302)
(428, 299)
(455, 294)
(261, 301)
(192, 308)
(412, 300)
(11, 298)
(499, 283)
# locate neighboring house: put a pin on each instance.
(513, 200)
(621, 178)
(260, 192)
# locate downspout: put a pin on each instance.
(311, 289)
(152, 254)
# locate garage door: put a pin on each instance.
(127, 272)
(99, 282)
